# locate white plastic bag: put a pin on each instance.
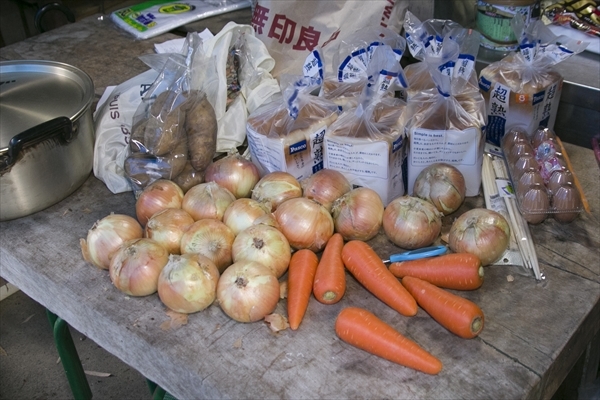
(257, 87)
(113, 122)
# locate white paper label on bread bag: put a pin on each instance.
(463, 149)
(267, 153)
(507, 109)
(367, 163)
(301, 157)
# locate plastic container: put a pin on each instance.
(547, 191)
(494, 21)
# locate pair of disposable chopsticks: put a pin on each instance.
(517, 222)
(493, 201)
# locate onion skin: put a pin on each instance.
(167, 227)
(264, 244)
(325, 186)
(235, 173)
(136, 265)
(106, 236)
(188, 283)
(248, 291)
(211, 238)
(305, 223)
(443, 185)
(242, 213)
(482, 232)
(275, 188)
(411, 223)
(207, 200)
(358, 214)
(156, 197)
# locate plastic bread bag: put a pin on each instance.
(433, 42)
(287, 133)
(446, 124)
(348, 75)
(523, 89)
(175, 123)
(367, 143)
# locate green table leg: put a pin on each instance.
(157, 392)
(69, 358)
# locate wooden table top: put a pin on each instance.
(534, 331)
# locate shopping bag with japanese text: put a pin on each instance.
(291, 29)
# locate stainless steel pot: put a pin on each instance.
(46, 134)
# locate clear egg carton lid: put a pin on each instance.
(538, 170)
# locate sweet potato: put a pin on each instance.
(201, 129)
(164, 129)
(189, 177)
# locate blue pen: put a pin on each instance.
(418, 253)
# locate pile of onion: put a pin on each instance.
(325, 186)
(482, 232)
(106, 236)
(157, 196)
(207, 200)
(136, 265)
(248, 291)
(305, 223)
(188, 283)
(411, 222)
(211, 238)
(235, 173)
(276, 187)
(264, 244)
(358, 214)
(443, 185)
(243, 212)
(167, 227)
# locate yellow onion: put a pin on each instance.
(411, 223)
(264, 244)
(235, 173)
(207, 200)
(106, 236)
(443, 185)
(188, 283)
(211, 238)
(482, 232)
(358, 214)
(157, 196)
(167, 227)
(305, 223)
(248, 291)
(325, 186)
(276, 187)
(242, 213)
(136, 265)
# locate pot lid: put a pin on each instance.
(33, 92)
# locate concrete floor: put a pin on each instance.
(30, 367)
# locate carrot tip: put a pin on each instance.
(329, 296)
(477, 325)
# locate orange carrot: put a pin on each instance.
(459, 271)
(330, 280)
(362, 329)
(301, 275)
(366, 266)
(457, 314)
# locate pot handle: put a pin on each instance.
(61, 127)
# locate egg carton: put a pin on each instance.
(542, 182)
